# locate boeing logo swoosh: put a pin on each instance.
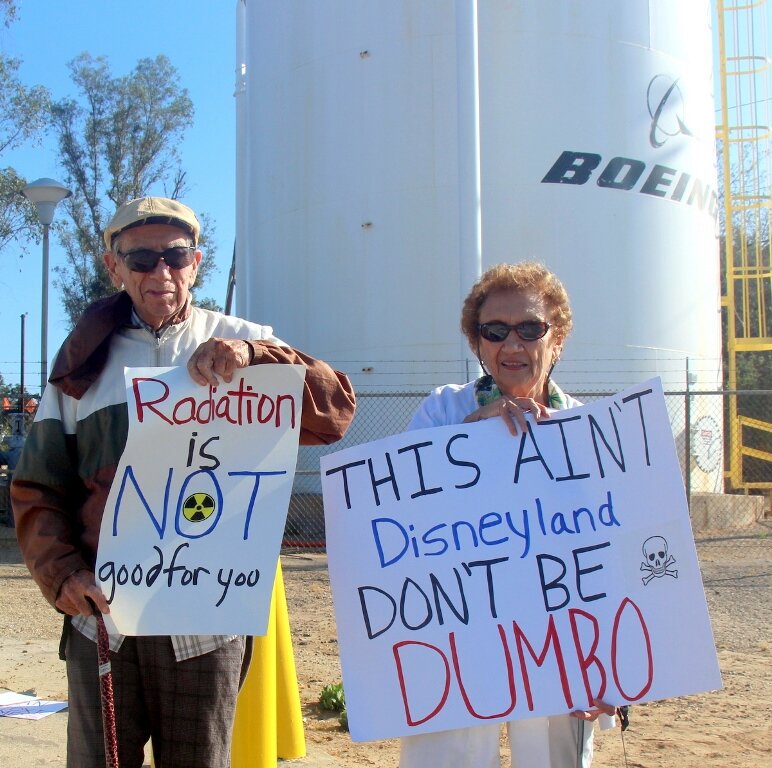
(666, 109)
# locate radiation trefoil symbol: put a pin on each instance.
(198, 507)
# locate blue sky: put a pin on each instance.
(199, 37)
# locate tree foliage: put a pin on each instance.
(8, 11)
(117, 141)
(23, 115)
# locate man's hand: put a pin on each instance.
(218, 357)
(75, 589)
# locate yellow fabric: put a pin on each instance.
(269, 722)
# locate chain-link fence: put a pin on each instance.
(726, 435)
(707, 427)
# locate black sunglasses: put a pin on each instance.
(145, 260)
(528, 330)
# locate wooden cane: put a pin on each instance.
(107, 694)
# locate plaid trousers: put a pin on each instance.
(186, 708)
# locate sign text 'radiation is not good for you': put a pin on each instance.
(480, 577)
(192, 528)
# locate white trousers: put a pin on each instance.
(539, 742)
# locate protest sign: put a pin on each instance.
(25, 707)
(192, 528)
(479, 576)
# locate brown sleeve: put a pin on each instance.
(328, 397)
(47, 495)
(45, 537)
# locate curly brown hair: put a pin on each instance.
(524, 276)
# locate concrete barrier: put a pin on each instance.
(725, 511)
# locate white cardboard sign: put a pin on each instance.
(192, 528)
(479, 577)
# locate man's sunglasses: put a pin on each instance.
(145, 260)
(528, 330)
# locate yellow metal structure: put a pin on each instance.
(744, 136)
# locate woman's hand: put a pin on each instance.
(599, 708)
(512, 410)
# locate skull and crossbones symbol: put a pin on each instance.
(657, 561)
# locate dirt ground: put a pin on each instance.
(729, 728)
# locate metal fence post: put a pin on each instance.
(688, 440)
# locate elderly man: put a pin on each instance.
(181, 690)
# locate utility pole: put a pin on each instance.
(21, 383)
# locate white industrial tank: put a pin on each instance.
(598, 156)
(390, 150)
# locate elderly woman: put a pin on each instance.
(516, 319)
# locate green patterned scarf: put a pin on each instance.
(486, 391)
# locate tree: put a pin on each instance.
(118, 141)
(8, 10)
(23, 115)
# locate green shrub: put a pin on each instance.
(332, 698)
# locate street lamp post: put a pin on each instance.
(45, 194)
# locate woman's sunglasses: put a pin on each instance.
(146, 261)
(528, 330)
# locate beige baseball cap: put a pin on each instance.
(151, 210)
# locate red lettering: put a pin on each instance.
(279, 400)
(186, 402)
(262, 417)
(586, 660)
(551, 638)
(649, 658)
(235, 406)
(223, 408)
(427, 668)
(149, 404)
(403, 688)
(204, 411)
(510, 677)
